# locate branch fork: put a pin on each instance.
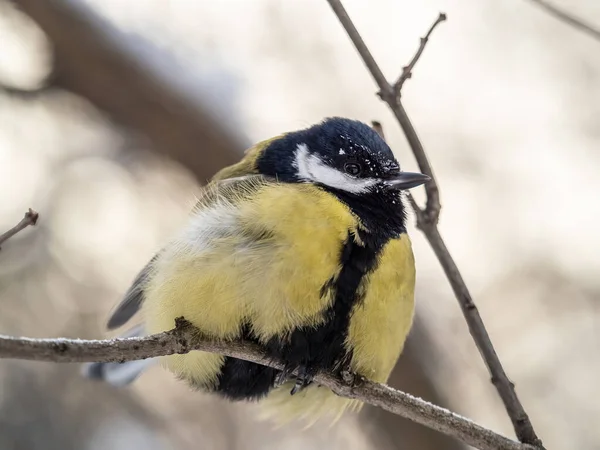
(407, 70)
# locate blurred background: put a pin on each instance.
(114, 112)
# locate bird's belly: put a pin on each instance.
(377, 331)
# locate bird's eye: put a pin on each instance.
(353, 169)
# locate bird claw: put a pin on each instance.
(303, 380)
(283, 376)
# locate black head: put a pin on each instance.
(349, 159)
(338, 154)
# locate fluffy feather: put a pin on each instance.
(258, 253)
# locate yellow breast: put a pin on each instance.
(260, 260)
(382, 320)
(377, 332)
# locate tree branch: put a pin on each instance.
(30, 218)
(568, 18)
(407, 70)
(94, 60)
(427, 220)
(185, 338)
(386, 92)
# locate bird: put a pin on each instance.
(301, 248)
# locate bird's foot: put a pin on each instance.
(304, 378)
(284, 375)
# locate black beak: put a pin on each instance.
(407, 180)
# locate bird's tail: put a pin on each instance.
(119, 374)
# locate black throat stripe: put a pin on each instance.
(314, 348)
(323, 347)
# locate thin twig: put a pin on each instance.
(378, 128)
(407, 70)
(569, 19)
(386, 92)
(427, 220)
(184, 339)
(30, 218)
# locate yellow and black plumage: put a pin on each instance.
(301, 247)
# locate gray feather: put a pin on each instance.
(133, 299)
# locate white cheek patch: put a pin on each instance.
(312, 168)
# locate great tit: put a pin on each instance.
(301, 248)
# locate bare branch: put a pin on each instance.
(30, 218)
(378, 128)
(386, 92)
(185, 338)
(407, 70)
(568, 18)
(427, 220)
(91, 61)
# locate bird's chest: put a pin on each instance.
(382, 315)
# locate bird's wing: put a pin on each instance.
(132, 300)
(230, 188)
(248, 164)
